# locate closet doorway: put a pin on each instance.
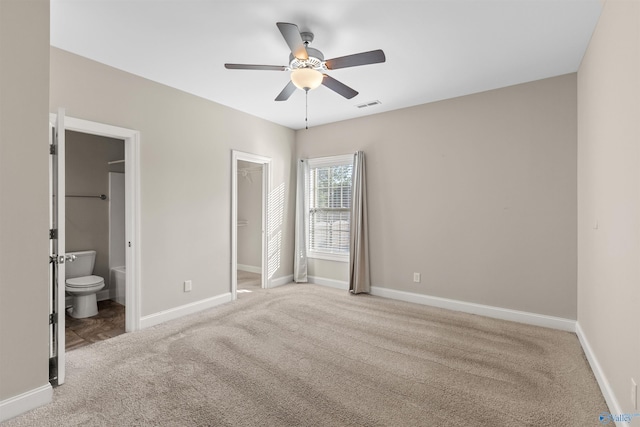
(249, 216)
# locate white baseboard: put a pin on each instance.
(250, 268)
(16, 405)
(337, 284)
(480, 309)
(104, 294)
(183, 310)
(605, 387)
(281, 281)
(466, 307)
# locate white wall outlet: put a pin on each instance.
(634, 394)
(187, 285)
(416, 277)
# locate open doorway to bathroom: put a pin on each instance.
(60, 260)
(95, 221)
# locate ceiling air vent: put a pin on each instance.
(369, 104)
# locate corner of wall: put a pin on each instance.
(24, 106)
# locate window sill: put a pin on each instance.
(328, 257)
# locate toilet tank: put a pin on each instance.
(81, 266)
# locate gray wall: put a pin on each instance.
(87, 173)
(185, 154)
(609, 195)
(477, 193)
(24, 135)
(250, 210)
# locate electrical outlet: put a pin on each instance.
(416, 277)
(187, 285)
(634, 394)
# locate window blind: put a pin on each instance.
(329, 195)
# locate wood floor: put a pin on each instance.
(110, 320)
(108, 323)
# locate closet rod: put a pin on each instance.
(101, 196)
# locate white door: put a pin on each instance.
(57, 254)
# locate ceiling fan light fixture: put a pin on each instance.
(306, 78)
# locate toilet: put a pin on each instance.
(81, 284)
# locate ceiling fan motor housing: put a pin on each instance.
(315, 61)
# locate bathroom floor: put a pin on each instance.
(108, 323)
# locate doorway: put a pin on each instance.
(249, 227)
(250, 181)
(95, 221)
(131, 239)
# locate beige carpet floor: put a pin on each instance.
(303, 355)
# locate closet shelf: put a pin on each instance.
(242, 222)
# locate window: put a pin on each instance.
(329, 196)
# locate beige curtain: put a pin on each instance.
(300, 257)
(359, 280)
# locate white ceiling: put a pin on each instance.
(435, 49)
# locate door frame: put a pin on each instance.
(132, 207)
(57, 255)
(266, 185)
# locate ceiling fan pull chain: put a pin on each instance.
(306, 109)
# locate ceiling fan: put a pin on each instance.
(308, 66)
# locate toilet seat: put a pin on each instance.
(84, 281)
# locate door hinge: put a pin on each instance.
(52, 149)
(53, 233)
(56, 259)
(53, 318)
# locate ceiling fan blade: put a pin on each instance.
(364, 58)
(292, 36)
(338, 87)
(286, 92)
(255, 67)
